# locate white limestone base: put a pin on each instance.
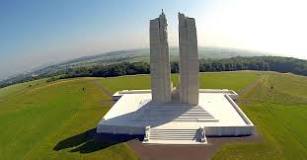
(217, 113)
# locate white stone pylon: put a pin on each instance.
(188, 63)
(160, 69)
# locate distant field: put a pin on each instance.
(54, 120)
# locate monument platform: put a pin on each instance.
(217, 114)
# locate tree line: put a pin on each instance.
(260, 63)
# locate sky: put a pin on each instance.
(35, 32)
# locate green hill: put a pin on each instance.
(115, 57)
(54, 120)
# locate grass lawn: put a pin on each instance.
(221, 80)
(278, 107)
(55, 120)
(34, 119)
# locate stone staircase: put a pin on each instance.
(171, 124)
(176, 114)
(175, 136)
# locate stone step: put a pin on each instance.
(174, 136)
(205, 117)
(171, 137)
(175, 113)
(177, 110)
(172, 132)
(167, 129)
(187, 116)
(194, 116)
(180, 114)
(185, 113)
(194, 119)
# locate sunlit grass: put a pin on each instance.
(53, 120)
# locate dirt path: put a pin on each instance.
(102, 88)
(251, 86)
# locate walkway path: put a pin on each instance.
(102, 88)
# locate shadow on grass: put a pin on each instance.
(89, 141)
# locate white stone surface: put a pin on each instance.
(116, 96)
(124, 116)
(159, 61)
(188, 64)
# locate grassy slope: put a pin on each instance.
(229, 80)
(37, 117)
(34, 119)
(278, 107)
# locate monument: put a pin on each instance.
(160, 68)
(188, 63)
(181, 115)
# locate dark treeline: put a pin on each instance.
(112, 70)
(261, 63)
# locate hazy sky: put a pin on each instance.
(37, 32)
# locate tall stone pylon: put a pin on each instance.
(188, 63)
(160, 69)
